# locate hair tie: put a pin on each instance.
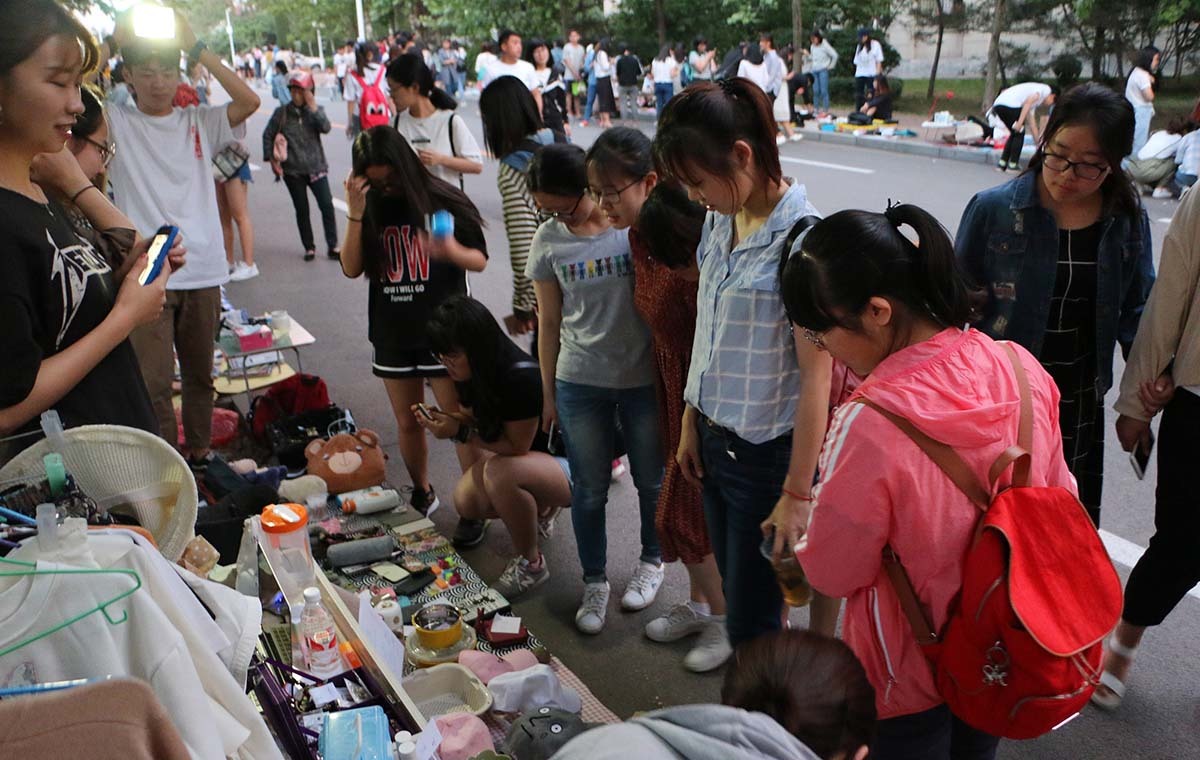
(726, 85)
(890, 213)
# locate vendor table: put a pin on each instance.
(296, 338)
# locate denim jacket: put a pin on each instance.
(1008, 245)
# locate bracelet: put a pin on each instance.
(464, 433)
(82, 191)
(797, 496)
(353, 218)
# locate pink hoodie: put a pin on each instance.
(876, 487)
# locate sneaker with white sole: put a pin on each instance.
(796, 137)
(643, 587)
(1162, 192)
(713, 648)
(546, 524)
(594, 607)
(618, 468)
(243, 272)
(518, 578)
(679, 622)
(780, 140)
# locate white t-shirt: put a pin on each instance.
(572, 54)
(865, 60)
(522, 70)
(433, 133)
(694, 59)
(1187, 154)
(662, 71)
(755, 72)
(1139, 81)
(164, 176)
(482, 62)
(1161, 144)
(341, 62)
(351, 90)
(1015, 96)
(602, 65)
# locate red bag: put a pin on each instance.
(374, 108)
(1022, 651)
(299, 393)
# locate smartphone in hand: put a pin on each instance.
(424, 410)
(164, 238)
(1139, 459)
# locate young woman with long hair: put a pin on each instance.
(391, 195)
(1062, 259)
(425, 116)
(757, 396)
(606, 104)
(891, 305)
(517, 478)
(66, 315)
(550, 82)
(868, 64)
(664, 230)
(513, 131)
(596, 369)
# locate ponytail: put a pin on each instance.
(410, 70)
(853, 256)
(699, 127)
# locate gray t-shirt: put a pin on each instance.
(603, 341)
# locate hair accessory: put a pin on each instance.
(891, 215)
(726, 86)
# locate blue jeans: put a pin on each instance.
(591, 99)
(934, 734)
(821, 90)
(1184, 180)
(587, 415)
(1141, 127)
(663, 91)
(742, 483)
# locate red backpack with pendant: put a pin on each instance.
(1021, 653)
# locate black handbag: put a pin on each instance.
(289, 436)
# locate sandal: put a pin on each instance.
(310, 254)
(1111, 699)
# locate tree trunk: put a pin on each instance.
(564, 17)
(937, 51)
(797, 36)
(989, 85)
(660, 16)
(1098, 53)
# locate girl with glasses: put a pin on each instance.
(597, 370)
(1061, 257)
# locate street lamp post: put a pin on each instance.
(362, 27)
(229, 31)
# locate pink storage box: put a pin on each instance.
(254, 337)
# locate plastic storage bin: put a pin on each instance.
(446, 689)
(361, 734)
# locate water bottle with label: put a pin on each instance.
(320, 637)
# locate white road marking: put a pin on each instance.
(340, 205)
(1127, 553)
(1163, 220)
(824, 165)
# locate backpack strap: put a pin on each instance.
(1025, 428)
(922, 627)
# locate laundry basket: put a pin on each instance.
(126, 470)
(445, 689)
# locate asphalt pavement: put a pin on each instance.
(1161, 714)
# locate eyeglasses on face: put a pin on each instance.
(1083, 170)
(610, 197)
(106, 151)
(561, 214)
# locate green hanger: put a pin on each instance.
(31, 568)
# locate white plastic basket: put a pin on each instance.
(445, 689)
(128, 470)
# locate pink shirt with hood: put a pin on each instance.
(876, 487)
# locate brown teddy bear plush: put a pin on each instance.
(347, 462)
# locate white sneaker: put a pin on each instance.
(546, 524)
(1162, 192)
(594, 607)
(680, 621)
(618, 468)
(712, 650)
(796, 137)
(780, 140)
(643, 587)
(242, 272)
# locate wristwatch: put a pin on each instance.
(196, 50)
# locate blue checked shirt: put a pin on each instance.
(743, 374)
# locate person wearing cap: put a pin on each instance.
(301, 123)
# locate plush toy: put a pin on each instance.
(297, 490)
(347, 462)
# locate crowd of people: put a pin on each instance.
(689, 308)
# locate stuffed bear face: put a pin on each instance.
(347, 461)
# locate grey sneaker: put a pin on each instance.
(594, 607)
(546, 524)
(712, 650)
(517, 578)
(643, 587)
(469, 533)
(679, 622)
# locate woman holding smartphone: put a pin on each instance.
(425, 116)
(391, 198)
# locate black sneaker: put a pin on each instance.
(334, 253)
(425, 502)
(310, 254)
(469, 533)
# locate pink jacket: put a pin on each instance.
(876, 487)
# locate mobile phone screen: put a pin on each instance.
(424, 410)
(1139, 458)
(157, 251)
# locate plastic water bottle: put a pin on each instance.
(320, 637)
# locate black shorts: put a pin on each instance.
(402, 363)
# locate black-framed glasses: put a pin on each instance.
(562, 214)
(1083, 170)
(106, 151)
(611, 197)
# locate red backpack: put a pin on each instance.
(373, 107)
(1021, 652)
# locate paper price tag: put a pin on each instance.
(506, 624)
(390, 572)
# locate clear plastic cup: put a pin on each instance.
(286, 546)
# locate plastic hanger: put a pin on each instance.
(31, 569)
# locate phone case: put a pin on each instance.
(155, 266)
(414, 583)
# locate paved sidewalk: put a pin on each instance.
(927, 143)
